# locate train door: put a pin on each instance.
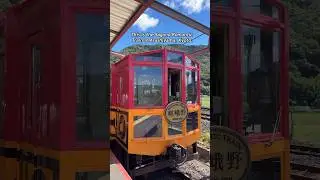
(174, 94)
(219, 73)
(31, 126)
(174, 84)
(121, 122)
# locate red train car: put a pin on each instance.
(251, 80)
(53, 124)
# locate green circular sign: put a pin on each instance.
(231, 154)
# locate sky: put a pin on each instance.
(152, 26)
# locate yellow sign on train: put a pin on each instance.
(176, 112)
(230, 155)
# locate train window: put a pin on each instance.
(191, 86)
(92, 175)
(147, 86)
(149, 57)
(147, 126)
(222, 2)
(174, 128)
(2, 105)
(35, 87)
(260, 6)
(174, 84)
(91, 79)
(174, 57)
(260, 69)
(192, 121)
(189, 62)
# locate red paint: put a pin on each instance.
(51, 25)
(234, 17)
(115, 161)
(126, 66)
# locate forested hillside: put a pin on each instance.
(304, 52)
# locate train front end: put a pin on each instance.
(156, 107)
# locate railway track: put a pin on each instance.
(166, 174)
(305, 164)
(205, 113)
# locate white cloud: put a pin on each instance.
(170, 4)
(195, 6)
(145, 22)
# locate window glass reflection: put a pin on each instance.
(147, 126)
(260, 68)
(149, 57)
(91, 81)
(191, 86)
(259, 6)
(92, 175)
(174, 57)
(222, 2)
(147, 86)
(189, 62)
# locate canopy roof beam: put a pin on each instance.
(144, 5)
(179, 17)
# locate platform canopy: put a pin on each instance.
(124, 13)
(121, 11)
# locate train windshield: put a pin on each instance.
(147, 86)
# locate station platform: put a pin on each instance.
(117, 171)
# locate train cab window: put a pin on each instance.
(190, 63)
(222, 2)
(2, 105)
(92, 175)
(147, 126)
(260, 69)
(174, 58)
(91, 79)
(260, 7)
(191, 86)
(174, 84)
(147, 86)
(149, 57)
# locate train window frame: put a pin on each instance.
(162, 72)
(192, 63)
(274, 87)
(93, 70)
(263, 7)
(2, 88)
(170, 54)
(146, 57)
(196, 84)
(149, 137)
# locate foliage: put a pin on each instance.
(304, 19)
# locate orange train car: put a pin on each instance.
(155, 109)
(48, 128)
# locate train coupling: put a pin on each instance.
(178, 154)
